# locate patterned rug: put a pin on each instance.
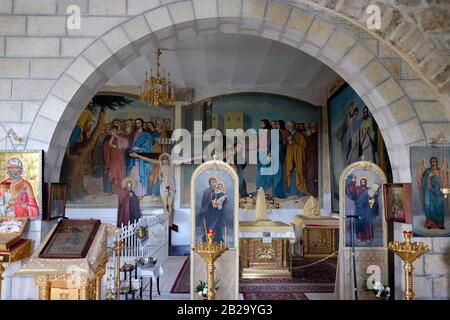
(318, 278)
(182, 283)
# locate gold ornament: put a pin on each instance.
(408, 251)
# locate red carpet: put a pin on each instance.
(318, 278)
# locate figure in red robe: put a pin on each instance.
(22, 195)
(114, 158)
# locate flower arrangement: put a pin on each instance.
(381, 291)
(202, 288)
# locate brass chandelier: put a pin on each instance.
(157, 90)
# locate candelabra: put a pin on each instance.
(210, 252)
(408, 251)
(118, 246)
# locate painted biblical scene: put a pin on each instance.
(364, 198)
(430, 180)
(298, 145)
(214, 205)
(21, 184)
(354, 136)
(116, 139)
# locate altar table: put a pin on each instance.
(317, 236)
(264, 249)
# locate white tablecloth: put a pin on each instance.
(152, 272)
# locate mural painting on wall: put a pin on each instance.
(430, 177)
(354, 135)
(116, 139)
(298, 145)
(21, 184)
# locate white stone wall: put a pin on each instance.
(49, 73)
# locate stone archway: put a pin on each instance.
(406, 109)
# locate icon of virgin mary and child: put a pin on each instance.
(212, 212)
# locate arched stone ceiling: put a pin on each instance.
(225, 63)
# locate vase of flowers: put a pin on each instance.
(381, 291)
(202, 288)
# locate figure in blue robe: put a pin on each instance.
(213, 217)
(137, 168)
(366, 212)
(433, 179)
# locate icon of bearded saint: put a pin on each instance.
(22, 196)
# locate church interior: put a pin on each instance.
(224, 150)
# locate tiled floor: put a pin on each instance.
(172, 268)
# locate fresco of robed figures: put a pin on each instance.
(363, 198)
(21, 184)
(354, 134)
(430, 175)
(214, 205)
(115, 138)
(298, 145)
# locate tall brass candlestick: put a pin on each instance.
(118, 246)
(408, 251)
(210, 252)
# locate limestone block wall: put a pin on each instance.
(49, 72)
(419, 29)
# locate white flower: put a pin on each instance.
(388, 289)
(205, 291)
(200, 294)
(379, 294)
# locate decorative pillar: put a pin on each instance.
(98, 280)
(84, 292)
(44, 290)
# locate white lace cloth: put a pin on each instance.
(150, 272)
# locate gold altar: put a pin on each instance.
(316, 235)
(70, 279)
(263, 260)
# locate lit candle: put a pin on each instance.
(210, 231)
